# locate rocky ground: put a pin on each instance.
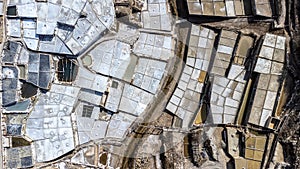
(289, 136)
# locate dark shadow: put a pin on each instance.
(248, 7)
(46, 38)
(66, 27)
(28, 90)
(11, 11)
